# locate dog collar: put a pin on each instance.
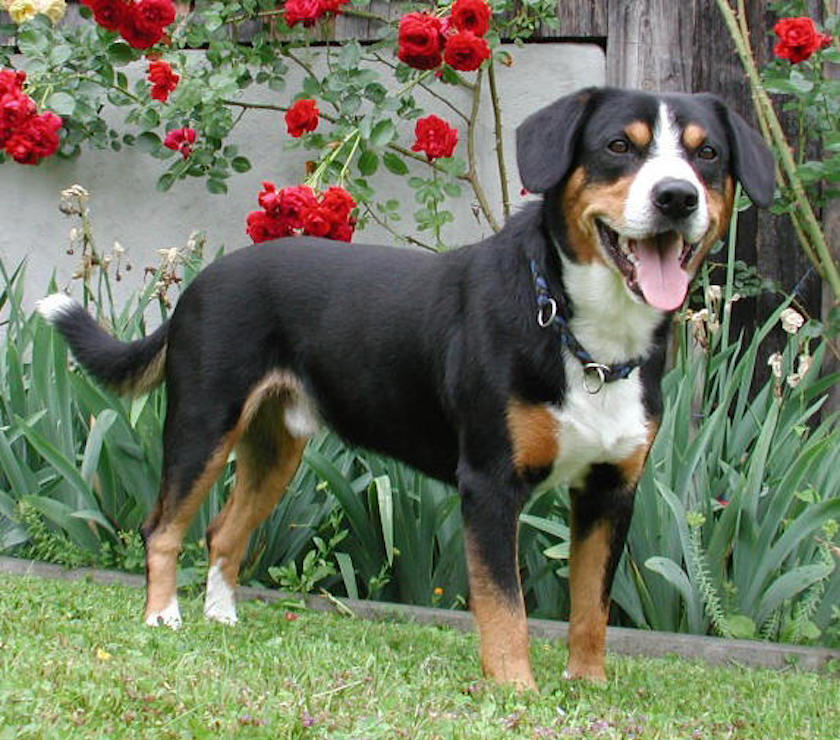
(556, 312)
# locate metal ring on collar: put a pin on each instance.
(545, 317)
(594, 376)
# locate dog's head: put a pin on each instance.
(646, 182)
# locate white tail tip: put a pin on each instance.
(55, 306)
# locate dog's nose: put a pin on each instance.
(675, 198)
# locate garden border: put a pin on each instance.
(622, 640)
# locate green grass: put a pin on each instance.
(76, 661)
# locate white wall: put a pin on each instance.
(126, 207)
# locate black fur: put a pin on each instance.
(417, 355)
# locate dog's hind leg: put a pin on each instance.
(491, 525)
(194, 457)
(267, 456)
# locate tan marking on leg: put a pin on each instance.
(252, 500)
(631, 467)
(533, 434)
(588, 621)
(267, 457)
(693, 136)
(639, 133)
(502, 626)
(164, 543)
(582, 202)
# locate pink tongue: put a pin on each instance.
(663, 281)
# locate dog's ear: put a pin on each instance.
(545, 141)
(752, 161)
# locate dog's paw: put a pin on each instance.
(220, 602)
(169, 616)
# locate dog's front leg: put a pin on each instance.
(601, 513)
(491, 525)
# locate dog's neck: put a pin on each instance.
(610, 323)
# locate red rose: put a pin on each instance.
(342, 232)
(435, 137)
(269, 197)
(303, 11)
(798, 39)
(338, 203)
(302, 117)
(11, 81)
(317, 221)
(333, 6)
(420, 40)
(294, 202)
(35, 139)
(155, 13)
(143, 22)
(163, 80)
(471, 15)
(16, 107)
(465, 51)
(263, 227)
(108, 13)
(181, 140)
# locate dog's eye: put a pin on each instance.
(618, 146)
(706, 152)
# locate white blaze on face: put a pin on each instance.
(667, 160)
(219, 603)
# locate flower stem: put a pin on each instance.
(825, 265)
(500, 152)
(472, 173)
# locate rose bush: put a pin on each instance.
(798, 39)
(354, 119)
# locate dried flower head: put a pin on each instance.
(791, 320)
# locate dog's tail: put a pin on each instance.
(126, 367)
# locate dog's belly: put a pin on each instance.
(605, 427)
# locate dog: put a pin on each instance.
(531, 357)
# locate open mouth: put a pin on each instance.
(653, 267)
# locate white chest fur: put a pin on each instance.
(614, 326)
(604, 427)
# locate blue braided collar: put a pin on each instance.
(552, 312)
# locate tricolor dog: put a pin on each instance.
(532, 356)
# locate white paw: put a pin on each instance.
(169, 616)
(220, 602)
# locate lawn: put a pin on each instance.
(76, 661)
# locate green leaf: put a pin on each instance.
(368, 162)
(217, 187)
(147, 142)
(240, 164)
(672, 573)
(394, 163)
(120, 52)
(383, 133)
(385, 499)
(93, 447)
(739, 626)
(165, 181)
(348, 574)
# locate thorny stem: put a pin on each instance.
(825, 265)
(391, 230)
(500, 152)
(458, 112)
(327, 117)
(472, 172)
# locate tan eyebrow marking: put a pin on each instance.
(693, 135)
(639, 133)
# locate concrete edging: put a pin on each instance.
(622, 640)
